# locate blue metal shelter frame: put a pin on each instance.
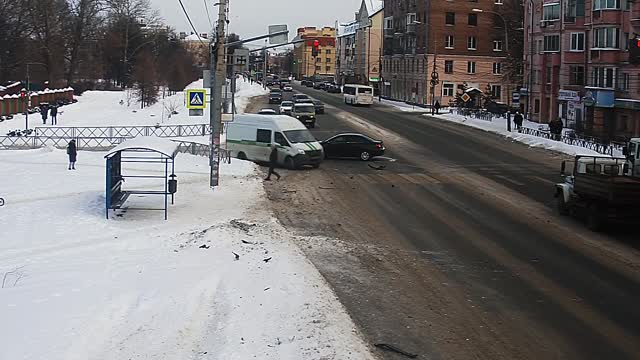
(135, 151)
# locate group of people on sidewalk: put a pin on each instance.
(44, 112)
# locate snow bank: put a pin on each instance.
(499, 126)
(78, 286)
(402, 106)
(111, 108)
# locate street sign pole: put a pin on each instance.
(217, 79)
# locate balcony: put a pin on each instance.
(411, 29)
(388, 33)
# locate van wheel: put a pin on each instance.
(290, 163)
(242, 156)
(594, 218)
(365, 156)
(561, 205)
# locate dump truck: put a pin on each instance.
(601, 189)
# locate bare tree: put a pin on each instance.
(83, 24)
(145, 78)
(14, 31)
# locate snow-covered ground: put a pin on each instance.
(499, 126)
(111, 108)
(78, 286)
(402, 106)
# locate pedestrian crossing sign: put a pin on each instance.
(196, 99)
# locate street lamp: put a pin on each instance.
(506, 32)
(26, 118)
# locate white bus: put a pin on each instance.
(358, 94)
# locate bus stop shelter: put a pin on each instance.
(160, 153)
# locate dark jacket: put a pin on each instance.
(72, 151)
(54, 111)
(273, 157)
(518, 119)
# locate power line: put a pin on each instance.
(206, 7)
(190, 22)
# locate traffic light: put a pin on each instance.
(634, 50)
(314, 49)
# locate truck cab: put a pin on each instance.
(306, 113)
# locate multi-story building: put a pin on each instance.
(368, 42)
(459, 42)
(323, 65)
(577, 67)
(198, 46)
(346, 53)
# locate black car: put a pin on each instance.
(309, 83)
(275, 97)
(352, 145)
(333, 88)
(319, 105)
(319, 85)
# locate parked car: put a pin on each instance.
(286, 107)
(320, 85)
(309, 83)
(275, 97)
(267, 112)
(319, 105)
(352, 145)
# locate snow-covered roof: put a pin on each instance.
(193, 37)
(159, 145)
(348, 28)
(373, 6)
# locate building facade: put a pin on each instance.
(305, 64)
(457, 43)
(577, 67)
(346, 53)
(368, 42)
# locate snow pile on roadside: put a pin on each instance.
(499, 126)
(402, 106)
(78, 286)
(110, 108)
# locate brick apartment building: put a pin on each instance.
(467, 46)
(577, 67)
(324, 65)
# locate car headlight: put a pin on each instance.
(301, 152)
(312, 116)
(297, 117)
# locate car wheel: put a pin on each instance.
(365, 156)
(242, 156)
(290, 163)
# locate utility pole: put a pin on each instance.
(218, 69)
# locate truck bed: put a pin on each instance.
(614, 189)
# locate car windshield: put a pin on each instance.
(305, 108)
(299, 136)
(286, 103)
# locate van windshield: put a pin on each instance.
(299, 136)
(307, 108)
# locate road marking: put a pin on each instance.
(509, 180)
(546, 181)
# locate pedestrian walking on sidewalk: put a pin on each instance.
(518, 120)
(44, 112)
(437, 107)
(273, 161)
(54, 115)
(72, 151)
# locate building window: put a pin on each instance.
(448, 66)
(471, 43)
(318, 68)
(327, 51)
(606, 38)
(623, 82)
(497, 45)
(551, 43)
(473, 19)
(497, 68)
(450, 18)
(388, 22)
(603, 77)
(577, 41)
(328, 68)
(471, 67)
(498, 2)
(576, 75)
(536, 106)
(411, 18)
(548, 75)
(328, 60)
(551, 12)
(606, 4)
(496, 91)
(447, 89)
(318, 59)
(449, 42)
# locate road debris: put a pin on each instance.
(204, 246)
(266, 260)
(396, 350)
(236, 255)
(377, 167)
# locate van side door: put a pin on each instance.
(263, 145)
(283, 146)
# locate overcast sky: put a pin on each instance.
(251, 17)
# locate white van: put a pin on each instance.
(249, 137)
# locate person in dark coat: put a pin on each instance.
(518, 120)
(44, 112)
(72, 151)
(54, 115)
(273, 161)
(437, 107)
